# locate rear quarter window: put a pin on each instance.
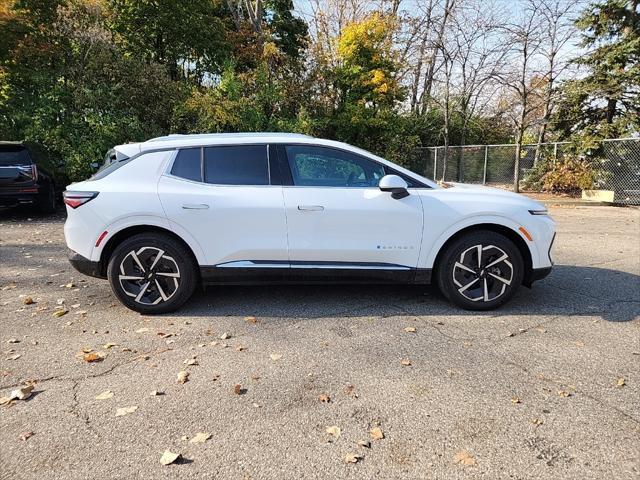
(188, 164)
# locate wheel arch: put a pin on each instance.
(503, 230)
(117, 238)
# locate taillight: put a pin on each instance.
(75, 199)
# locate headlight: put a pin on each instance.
(539, 212)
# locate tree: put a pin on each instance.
(605, 103)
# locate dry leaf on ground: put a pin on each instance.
(334, 431)
(275, 356)
(125, 410)
(200, 437)
(183, 377)
(410, 329)
(93, 357)
(464, 458)
(26, 436)
(107, 394)
(324, 398)
(251, 319)
(352, 458)
(376, 433)
(168, 457)
(515, 400)
(21, 393)
(225, 336)
(191, 362)
(59, 313)
(621, 382)
(237, 389)
(364, 443)
(27, 300)
(405, 362)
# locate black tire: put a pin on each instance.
(47, 204)
(482, 289)
(163, 286)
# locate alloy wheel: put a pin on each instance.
(149, 275)
(483, 273)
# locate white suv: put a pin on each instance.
(163, 215)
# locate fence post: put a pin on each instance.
(435, 164)
(555, 152)
(484, 174)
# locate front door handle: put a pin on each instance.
(195, 206)
(311, 208)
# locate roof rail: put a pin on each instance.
(181, 136)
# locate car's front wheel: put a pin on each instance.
(480, 270)
(152, 273)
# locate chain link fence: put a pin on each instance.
(617, 164)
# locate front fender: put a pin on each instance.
(435, 240)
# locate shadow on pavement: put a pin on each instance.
(612, 295)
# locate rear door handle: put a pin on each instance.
(311, 208)
(195, 206)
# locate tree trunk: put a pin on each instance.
(516, 166)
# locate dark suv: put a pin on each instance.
(24, 180)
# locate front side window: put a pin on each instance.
(236, 165)
(328, 167)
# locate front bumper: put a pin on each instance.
(85, 266)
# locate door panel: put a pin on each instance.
(353, 225)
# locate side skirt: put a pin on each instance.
(286, 274)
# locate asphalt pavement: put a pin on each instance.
(324, 382)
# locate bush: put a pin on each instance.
(569, 174)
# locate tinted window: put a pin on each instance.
(14, 155)
(187, 164)
(236, 165)
(328, 167)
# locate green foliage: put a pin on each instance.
(605, 103)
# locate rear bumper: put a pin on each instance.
(85, 266)
(18, 198)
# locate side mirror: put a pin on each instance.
(394, 184)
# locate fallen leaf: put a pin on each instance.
(191, 362)
(406, 362)
(240, 348)
(60, 313)
(515, 400)
(564, 393)
(350, 390)
(107, 394)
(275, 356)
(464, 458)
(364, 443)
(324, 398)
(183, 377)
(334, 431)
(156, 393)
(237, 389)
(21, 393)
(70, 285)
(93, 357)
(376, 433)
(80, 312)
(75, 305)
(251, 319)
(352, 458)
(125, 411)
(225, 336)
(168, 457)
(13, 340)
(109, 345)
(4, 400)
(200, 437)
(537, 421)
(142, 330)
(27, 301)
(14, 357)
(26, 436)
(410, 329)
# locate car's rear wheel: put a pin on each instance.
(152, 273)
(481, 270)
(47, 204)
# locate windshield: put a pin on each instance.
(12, 155)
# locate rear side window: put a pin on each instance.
(13, 155)
(187, 164)
(236, 165)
